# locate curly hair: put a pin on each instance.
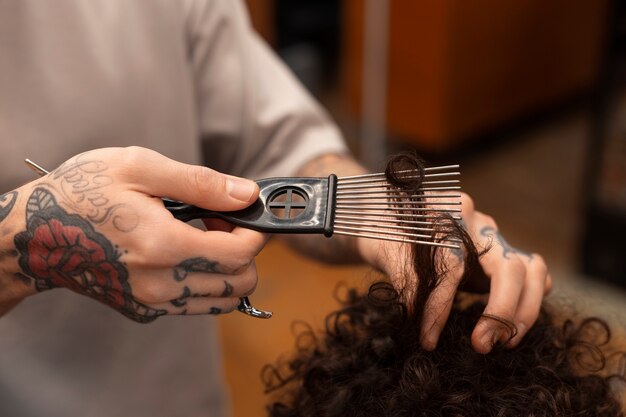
(368, 360)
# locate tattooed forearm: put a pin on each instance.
(59, 249)
(199, 264)
(7, 201)
(82, 184)
(506, 248)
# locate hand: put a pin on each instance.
(518, 282)
(97, 226)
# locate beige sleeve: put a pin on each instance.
(255, 118)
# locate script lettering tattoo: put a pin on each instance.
(489, 231)
(7, 201)
(199, 264)
(83, 185)
(59, 249)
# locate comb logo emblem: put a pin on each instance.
(287, 203)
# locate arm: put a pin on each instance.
(261, 123)
(517, 280)
(94, 226)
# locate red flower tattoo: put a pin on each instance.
(64, 250)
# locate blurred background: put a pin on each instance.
(528, 96)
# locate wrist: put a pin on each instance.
(14, 286)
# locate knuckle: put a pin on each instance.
(486, 219)
(238, 265)
(253, 247)
(229, 305)
(247, 282)
(548, 285)
(150, 291)
(205, 180)
(129, 160)
(526, 320)
(539, 265)
(148, 252)
(516, 268)
(131, 156)
(467, 204)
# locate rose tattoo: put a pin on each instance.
(59, 249)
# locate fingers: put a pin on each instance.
(218, 267)
(531, 298)
(518, 283)
(157, 175)
(507, 284)
(200, 306)
(440, 302)
(194, 292)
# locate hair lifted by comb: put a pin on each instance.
(368, 360)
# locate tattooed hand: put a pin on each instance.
(516, 282)
(97, 226)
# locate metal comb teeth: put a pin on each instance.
(369, 206)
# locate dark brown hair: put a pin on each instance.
(368, 360)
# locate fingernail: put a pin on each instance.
(489, 339)
(429, 342)
(240, 188)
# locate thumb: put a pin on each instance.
(194, 184)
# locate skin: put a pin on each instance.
(94, 226)
(518, 281)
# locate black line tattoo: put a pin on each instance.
(7, 201)
(215, 310)
(59, 249)
(202, 295)
(10, 253)
(182, 300)
(199, 264)
(489, 231)
(23, 278)
(228, 290)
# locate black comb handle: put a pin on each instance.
(285, 205)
